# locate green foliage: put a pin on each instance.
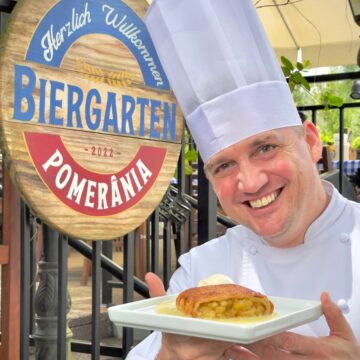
(356, 143)
(328, 121)
(326, 139)
(190, 156)
(329, 99)
(293, 73)
(331, 94)
(295, 78)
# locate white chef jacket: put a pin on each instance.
(328, 260)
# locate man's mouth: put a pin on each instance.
(264, 201)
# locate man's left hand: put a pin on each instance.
(340, 344)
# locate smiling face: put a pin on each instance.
(270, 184)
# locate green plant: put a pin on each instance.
(190, 156)
(295, 78)
(330, 99)
(356, 143)
(293, 73)
(326, 139)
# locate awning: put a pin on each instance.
(324, 30)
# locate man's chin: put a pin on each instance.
(281, 239)
(272, 236)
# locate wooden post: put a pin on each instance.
(140, 251)
(10, 274)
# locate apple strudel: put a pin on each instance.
(223, 301)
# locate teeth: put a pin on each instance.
(266, 200)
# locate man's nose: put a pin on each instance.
(251, 179)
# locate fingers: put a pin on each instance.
(289, 342)
(259, 351)
(335, 319)
(291, 346)
(238, 352)
(156, 286)
(188, 347)
(286, 346)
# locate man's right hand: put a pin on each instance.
(179, 347)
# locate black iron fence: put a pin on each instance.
(45, 307)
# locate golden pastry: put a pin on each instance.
(223, 301)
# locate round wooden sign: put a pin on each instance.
(91, 132)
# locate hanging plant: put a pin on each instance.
(295, 78)
(293, 73)
(329, 99)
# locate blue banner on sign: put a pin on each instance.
(68, 20)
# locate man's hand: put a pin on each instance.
(156, 287)
(178, 347)
(340, 344)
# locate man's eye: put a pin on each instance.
(222, 168)
(266, 148)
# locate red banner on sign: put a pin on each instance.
(89, 192)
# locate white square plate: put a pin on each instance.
(142, 314)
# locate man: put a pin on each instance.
(298, 236)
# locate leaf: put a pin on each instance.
(326, 139)
(305, 83)
(188, 168)
(306, 63)
(292, 85)
(299, 66)
(191, 155)
(286, 71)
(324, 98)
(356, 143)
(335, 101)
(329, 99)
(287, 62)
(297, 77)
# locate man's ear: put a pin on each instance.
(313, 140)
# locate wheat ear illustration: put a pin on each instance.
(91, 72)
(123, 78)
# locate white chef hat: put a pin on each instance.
(222, 69)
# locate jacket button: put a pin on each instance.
(253, 250)
(343, 305)
(344, 237)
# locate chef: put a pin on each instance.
(297, 236)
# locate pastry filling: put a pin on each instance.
(230, 308)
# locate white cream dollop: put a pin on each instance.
(215, 279)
